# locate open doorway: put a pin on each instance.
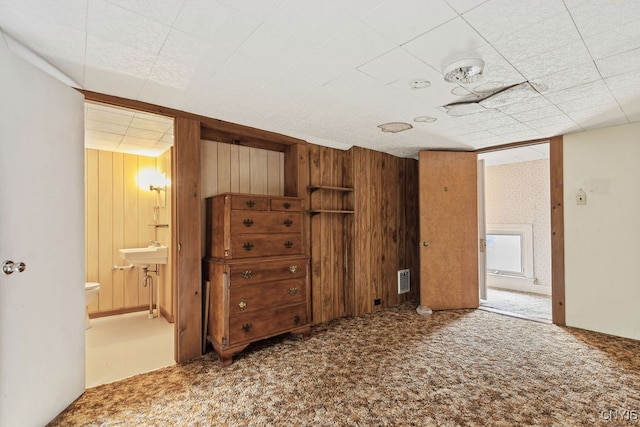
(130, 313)
(518, 232)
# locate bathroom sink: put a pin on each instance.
(142, 257)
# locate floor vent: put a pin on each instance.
(404, 281)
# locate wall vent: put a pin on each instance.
(404, 281)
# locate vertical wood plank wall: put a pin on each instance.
(118, 215)
(355, 258)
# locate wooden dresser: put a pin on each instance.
(257, 270)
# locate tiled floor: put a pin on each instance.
(531, 305)
(121, 346)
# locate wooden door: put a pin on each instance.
(448, 230)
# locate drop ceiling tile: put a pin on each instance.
(101, 145)
(403, 20)
(560, 121)
(536, 114)
(358, 8)
(587, 90)
(511, 129)
(162, 11)
(532, 103)
(105, 55)
(73, 14)
(579, 75)
(595, 117)
(103, 137)
(498, 122)
(259, 10)
(132, 140)
(270, 46)
(120, 26)
(215, 22)
(462, 40)
(398, 64)
(99, 115)
(569, 57)
(622, 63)
(463, 6)
(112, 82)
(144, 134)
(105, 127)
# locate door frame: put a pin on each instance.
(557, 219)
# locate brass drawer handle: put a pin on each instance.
(286, 205)
(247, 222)
(247, 327)
(247, 274)
(287, 223)
(288, 244)
(296, 320)
(293, 291)
(247, 246)
(293, 268)
(250, 203)
(242, 304)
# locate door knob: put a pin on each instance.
(9, 267)
(425, 244)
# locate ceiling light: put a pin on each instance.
(464, 71)
(419, 84)
(395, 127)
(424, 119)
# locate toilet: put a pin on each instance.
(91, 289)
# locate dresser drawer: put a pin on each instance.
(245, 299)
(265, 323)
(248, 202)
(285, 204)
(255, 272)
(243, 222)
(261, 245)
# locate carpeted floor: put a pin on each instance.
(528, 304)
(390, 368)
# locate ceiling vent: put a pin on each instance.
(464, 71)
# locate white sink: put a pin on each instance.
(142, 257)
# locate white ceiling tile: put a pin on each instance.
(570, 57)
(461, 40)
(532, 103)
(358, 8)
(215, 22)
(122, 119)
(112, 82)
(595, 117)
(259, 10)
(120, 26)
(162, 11)
(578, 75)
(497, 122)
(403, 20)
(104, 127)
(106, 55)
(462, 6)
(270, 46)
(558, 121)
(132, 140)
(619, 64)
(73, 14)
(103, 137)
(536, 114)
(143, 134)
(398, 64)
(578, 92)
(511, 129)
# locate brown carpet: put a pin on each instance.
(390, 368)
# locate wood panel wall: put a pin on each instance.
(118, 214)
(355, 258)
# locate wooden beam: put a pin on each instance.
(211, 134)
(557, 230)
(511, 145)
(186, 241)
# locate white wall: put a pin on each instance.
(602, 238)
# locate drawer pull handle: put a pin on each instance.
(287, 223)
(242, 304)
(293, 291)
(288, 244)
(296, 320)
(247, 222)
(250, 203)
(247, 274)
(247, 327)
(247, 246)
(293, 268)
(286, 205)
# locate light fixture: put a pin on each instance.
(394, 127)
(153, 180)
(425, 119)
(464, 71)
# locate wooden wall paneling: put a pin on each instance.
(337, 229)
(163, 163)
(327, 244)
(413, 225)
(315, 239)
(209, 172)
(131, 278)
(224, 168)
(118, 229)
(363, 241)
(274, 173)
(348, 235)
(146, 233)
(235, 173)
(257, 162)
(244, 169)
(105, 243)
(376, 230)
(390, 207)
(187, 229)
(91, 223)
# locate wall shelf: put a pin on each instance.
(345, 190)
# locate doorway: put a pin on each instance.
(127, 205)
(518, 232)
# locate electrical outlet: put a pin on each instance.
(377, 301)
(581, 197)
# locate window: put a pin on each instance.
(510, 250)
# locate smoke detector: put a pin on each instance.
(464, 71)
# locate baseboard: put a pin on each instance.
(164, 313)
(119, 311)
